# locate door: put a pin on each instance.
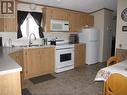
(107, 37)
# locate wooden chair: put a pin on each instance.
(116, 84)
(113, 60)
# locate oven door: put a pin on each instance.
(64, 57)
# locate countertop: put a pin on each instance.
(7, 64)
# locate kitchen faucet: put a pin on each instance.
(30, 41)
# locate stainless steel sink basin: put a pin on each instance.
(34, 45)
(28, 46)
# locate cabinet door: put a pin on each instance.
(39, 61)
(79, 54)
(75, 22)
(18, 57)
(47, 60)
(90, 20)
(54, 13)
(47, 20)
(32, 63)
(1, 25)
(10, 25)
(83, 19)
(59, 14)
(10, 84)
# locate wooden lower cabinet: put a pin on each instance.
(18, 57)
(10, 84)
(39, 62)
(80, 54)
(35, 61)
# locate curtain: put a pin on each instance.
(38, 18)
(21, 15)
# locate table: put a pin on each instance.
(104, 73)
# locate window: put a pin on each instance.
(29, 26)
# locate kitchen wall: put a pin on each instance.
(6, 36)
(99, 25)
(13, 35)
(58, 35)
(103, 23)
(121, 37)
(50, 35)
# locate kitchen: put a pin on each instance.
(34, 55)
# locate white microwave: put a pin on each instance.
(59, 25)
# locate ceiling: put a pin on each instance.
(79, 5)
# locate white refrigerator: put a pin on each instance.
(90, 36)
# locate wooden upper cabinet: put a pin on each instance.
(1, 24)
(56, 13)
(90, 20)
(53, 13)
(87, 19)
(59, 14)
(9, 24)
(47, 17)
(76, 19)
(83, 19)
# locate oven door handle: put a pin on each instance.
(64, 48)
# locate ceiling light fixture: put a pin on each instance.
(58, 0)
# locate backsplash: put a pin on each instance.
(6, 36)
(49, 35)
(58, 35)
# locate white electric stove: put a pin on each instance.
(64, 57)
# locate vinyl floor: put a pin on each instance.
(78, 81)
